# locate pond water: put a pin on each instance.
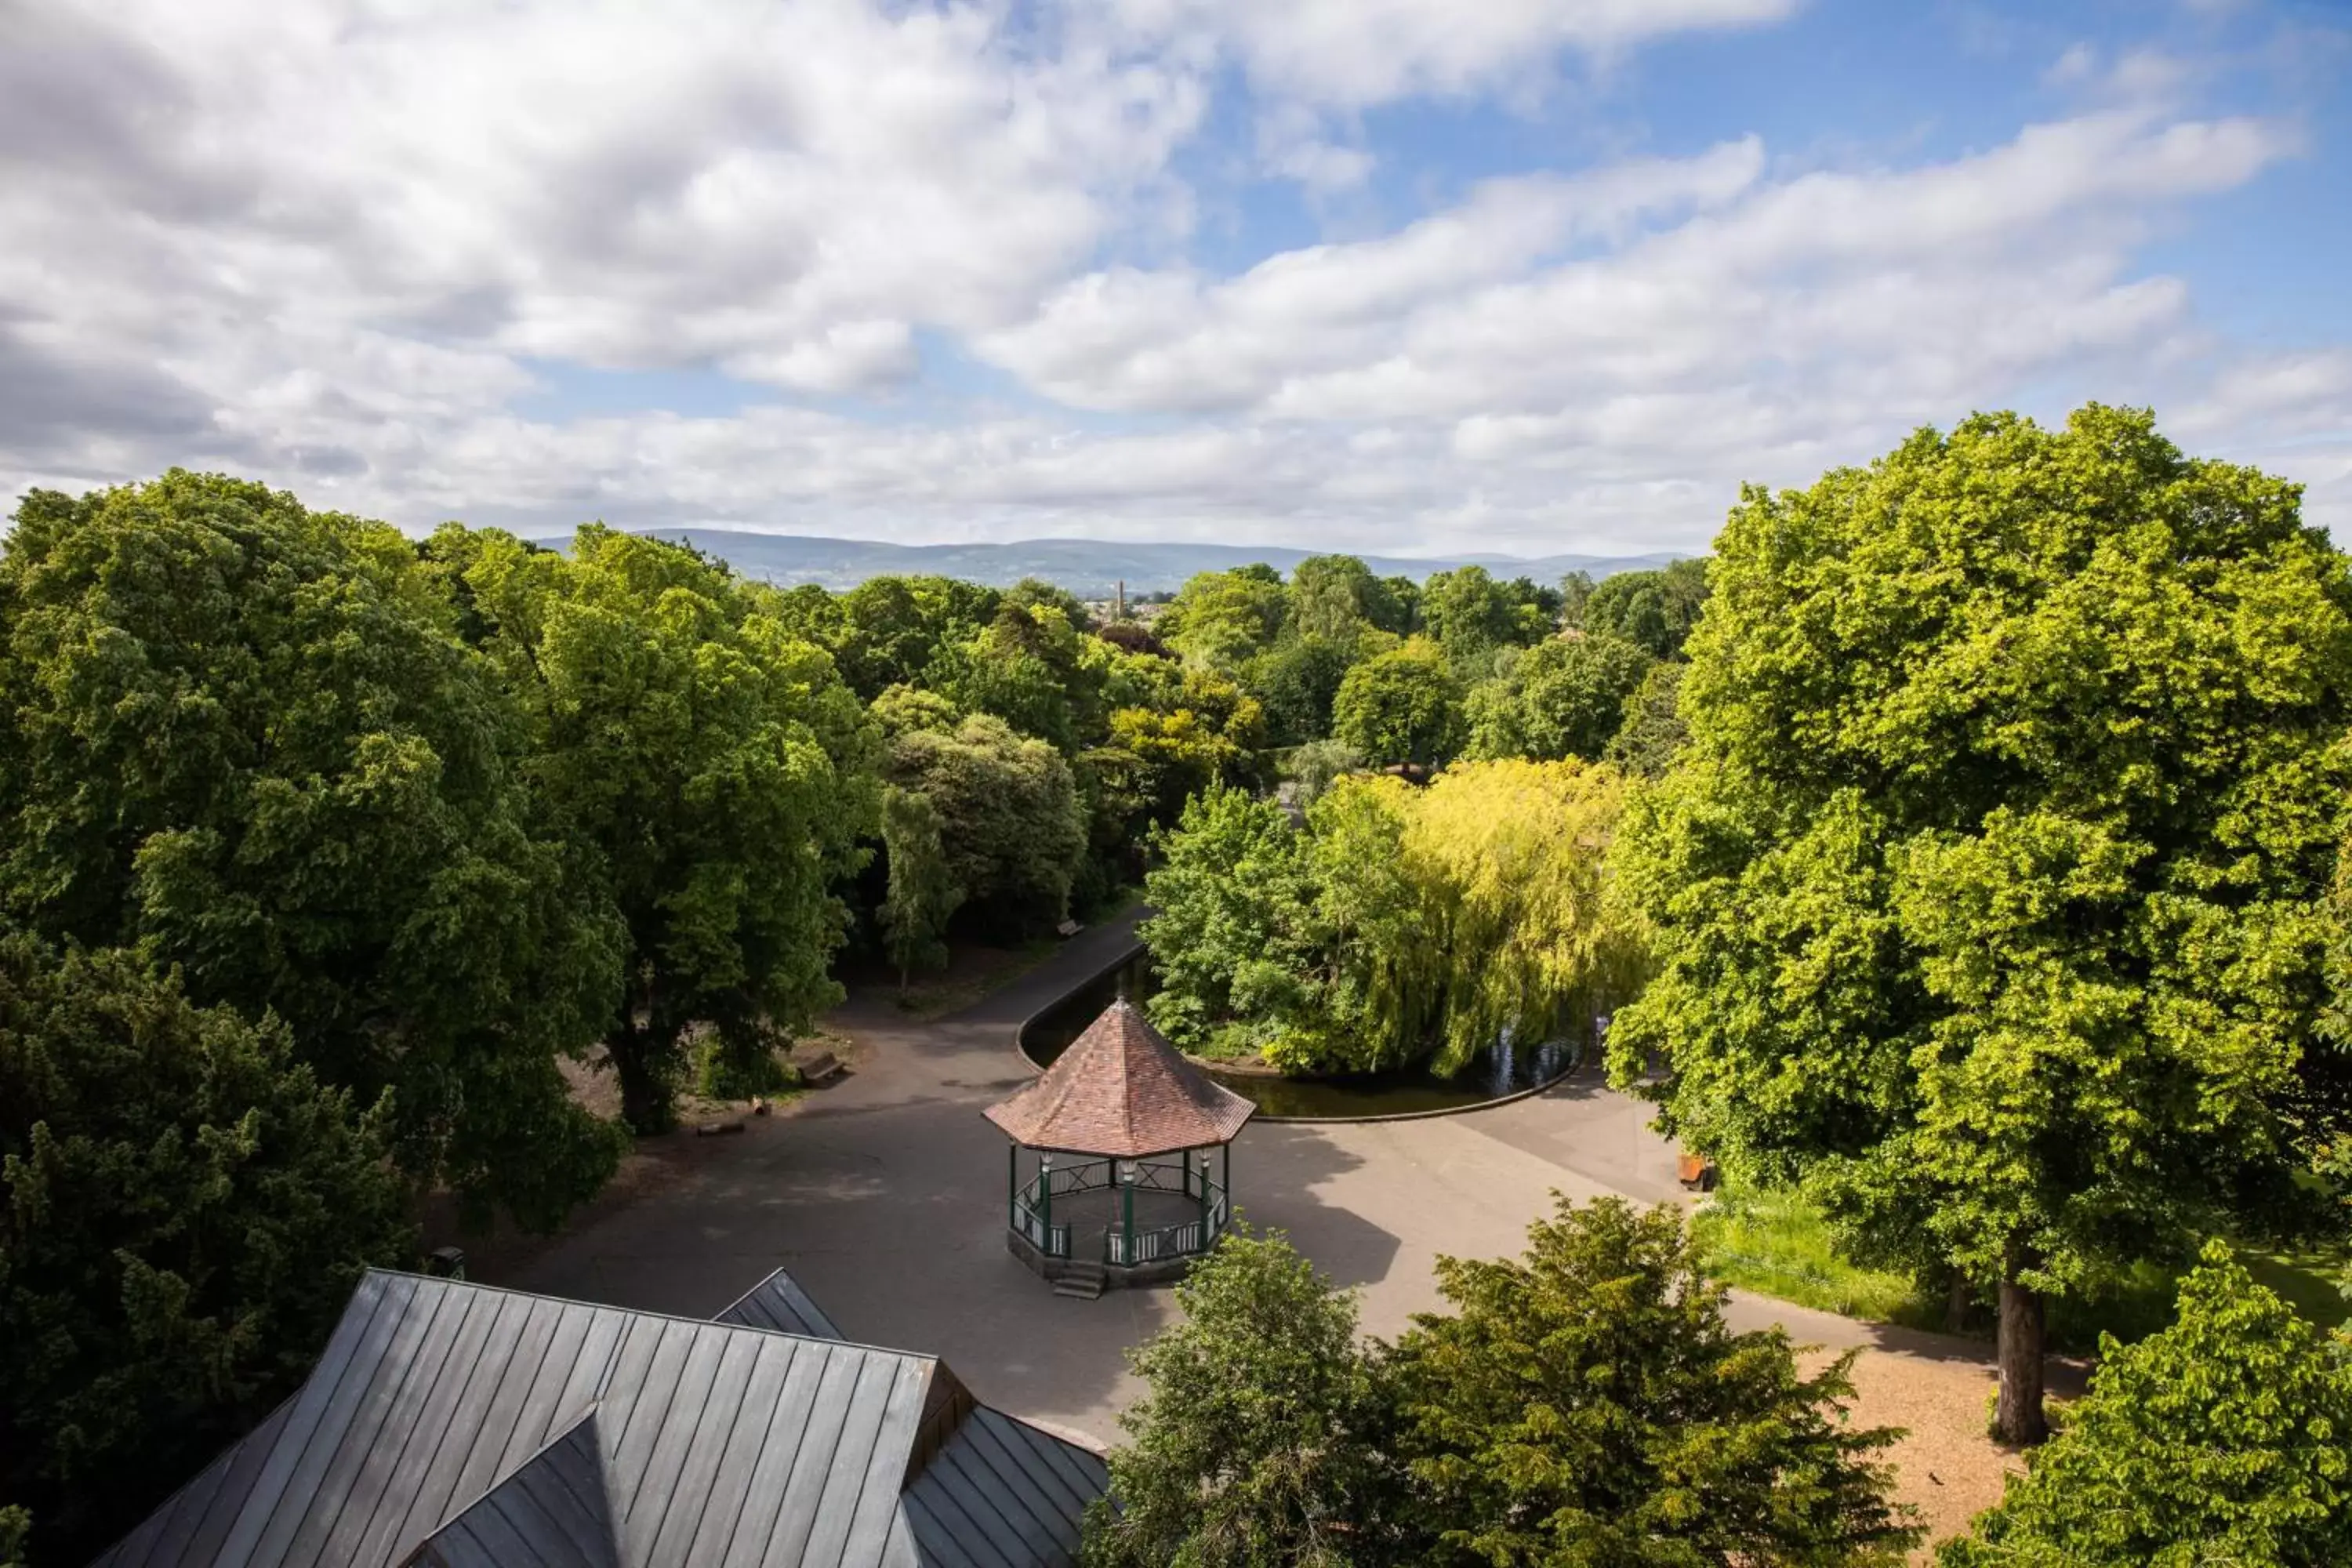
(1505, 1069)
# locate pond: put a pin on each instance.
(1506, 1069)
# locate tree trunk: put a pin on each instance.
(1956, 1305)
(645, 1106)
(2019, 1418)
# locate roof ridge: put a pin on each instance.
(444, 1281)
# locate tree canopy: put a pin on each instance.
(1401, 924)
(1586, 1403)
(184, 1208)
(2221, 1439)
(1402, 707)
(713, 769)
(1565, 697)
(1254, 1443)
(1988, 882)
(244, 739)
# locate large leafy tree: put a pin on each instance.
(1009, 820)
(1404, 922)
(715, 769)
(1565, 697)
(2227, 1438)
(1401, 707)
(183, 1209)
(1256, 1442)
(1337, 597)
(1988, 878)
(1586, 1405)
(1654, 609)
(245, 739)
(1219, 619)
(1652, 733)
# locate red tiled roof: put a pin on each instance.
(1121, 1090)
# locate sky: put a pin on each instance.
(1412, 276)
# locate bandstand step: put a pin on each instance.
(1083, 1282)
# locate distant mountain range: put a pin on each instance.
(1086, 567)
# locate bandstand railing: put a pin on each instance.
(1124, 1245)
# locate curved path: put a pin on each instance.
(884, 1194)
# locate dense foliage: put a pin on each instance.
(1256, 1442)
(244, 739)
(1586, 1405)
(183, 1209)
(1989, 879)
(707, 764)
(1583, 1404)
(1399, 923)
(2225, 1438)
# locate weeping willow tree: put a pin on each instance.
(1511, 860)
(1402, 923)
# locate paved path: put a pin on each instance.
(884, 1194)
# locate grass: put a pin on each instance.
(1775, 1244)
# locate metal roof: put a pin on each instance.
(449, 1422)
(551, 1513)
(778, 1302)
(1121, 1090)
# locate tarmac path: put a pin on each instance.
(884, 1194)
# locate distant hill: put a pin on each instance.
(1086, 567)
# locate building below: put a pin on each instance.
(450, 1425)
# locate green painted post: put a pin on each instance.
(1204, 1193)
(1126, 1218)
(1046, 1203)
(1229, 1180)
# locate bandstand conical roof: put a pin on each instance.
(1122, 1092)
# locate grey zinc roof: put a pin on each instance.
(551, 1513)
(1001, 1494)
(778, 1302)
(719, 1444)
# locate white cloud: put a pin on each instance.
(336, 247)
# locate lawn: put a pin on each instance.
(1775, 1243)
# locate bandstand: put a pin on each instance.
(1120, 1131)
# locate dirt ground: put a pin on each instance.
(1946, 1467)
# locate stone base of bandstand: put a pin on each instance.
(1160, 1271)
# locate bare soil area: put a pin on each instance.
(1946, 1466)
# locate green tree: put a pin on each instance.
(1989, 882)
(1009, 820)
(244, 738)
(1401, 707)
(2221, 1439)
(183, 1210)
(899, 709)
(1470, 615)
(1565, 697)
(923, 892)
(1296, 681)
(1586, 1405)
(894, 629)
(1337, 599)
(1255, 1444)
(714, 767)
(1575, 593)
(1232, 929)
(1655, 609)
(1219, 618)
(1653, 732)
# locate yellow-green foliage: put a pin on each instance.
(1510, 859)
(1403, 921)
